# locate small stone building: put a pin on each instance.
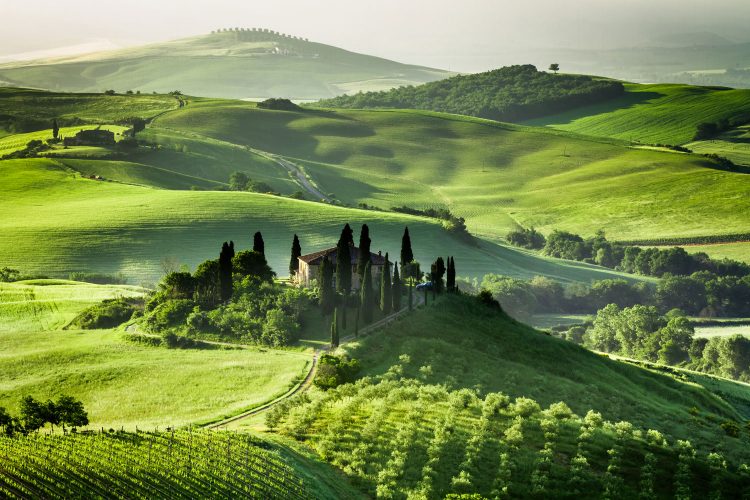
(309, 266)
(95, 137)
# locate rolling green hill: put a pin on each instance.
(111, 227)
(494, 175)
(655, 113)
(427, 417)
(236, 64)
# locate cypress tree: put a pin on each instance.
(326, 286)
(356, 323)
(451, 277)
(347, 236)
(335, 329)
(406, 253)
(385, 288)
(365, 296)
(55, 129)
(344, 263)
(258, 245)
(225, 271)
(437, 272)
(364, 250)
(396, 290)
(294, 260)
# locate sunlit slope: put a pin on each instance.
(658, 113)
(227, 64)
(54, 221)
(495, 175)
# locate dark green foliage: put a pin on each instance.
(407, 255)
(451, 276)
(527, 238)
(356, 321)
(67, 410)
(139, 125)
(279, 105)
(207, 284)
(171, 313)
(238, 181)
(386, 291)
(258, 244)
(344, 262)
(511, 93)
(336, 370)
(364, 250)
(8, 275)
(554, 67)
(437, 272)
(252, 264)
(366, 296)
(55, 129)
(327, 296)
(108, 314)
(335, 329)
(397, 290)
(177, 285)
(294, 259)
(98, 278)
(451, 223)
(225, 271)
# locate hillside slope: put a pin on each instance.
(237, 64)
(495, 175)
(424, 417)
(655, 113)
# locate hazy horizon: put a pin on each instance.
(476, 35)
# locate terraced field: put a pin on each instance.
(658, 113)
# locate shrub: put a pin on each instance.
(169, 314)
(335, 370)
(527, 238)
(108, 314)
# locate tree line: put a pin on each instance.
(512, 93)
(36, 414)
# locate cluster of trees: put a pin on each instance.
(451, 223)
(336, 370)
(709, 130)
(279, 105)
(701, 294)
(36, 414)
(509, 94)
(630, 259)
(239, 181)
(641, 332)
(231, 297)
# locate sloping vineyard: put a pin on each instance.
(181, 464)
(403, 439)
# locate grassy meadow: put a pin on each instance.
(733, 144)
(90, 225)
(17, 142)
(653, 113)
(495, 175)
(120, 383)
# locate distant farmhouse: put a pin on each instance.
(309, 266)
(96, 137)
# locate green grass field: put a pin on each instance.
(495, 175)
(657, 113)
(733, 144)
(17, 142)
(250, 65)
(89, 225)
(722, 331)
(124, 384)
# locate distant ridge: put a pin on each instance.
(235, 63)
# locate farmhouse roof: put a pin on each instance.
(314, 259)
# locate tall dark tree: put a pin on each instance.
(294, 260)
(451, 275)
(335, 329)
(347, 236)
(326, 286)
(364, 250)
(385, 288)
(258, 244)
(396, 290)
(55, 129)
(365, 294)
(406, 253)
(356, 322)
(437, 273)
(344, 263)
(225, 270)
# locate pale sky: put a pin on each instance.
(465, 35)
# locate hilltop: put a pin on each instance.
(511, 94)
(235, 63)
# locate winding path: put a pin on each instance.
(307, 383)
